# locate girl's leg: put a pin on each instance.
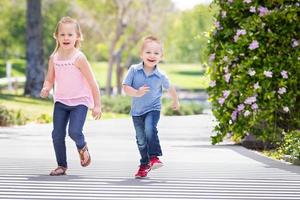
(60, 120)
(151, 121)
(141, 140)
(77, 120)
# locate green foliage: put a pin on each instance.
(116, 104)
(186, 108)
(255, 69)
(291, 144)
(44, 118)
(11, 117)
(186, 41)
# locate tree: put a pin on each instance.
(34, 49)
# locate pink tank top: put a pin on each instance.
(71, 87)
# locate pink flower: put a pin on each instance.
(212, 57)
(227, 77)
(268, 74)
(254, 45)
(252, 9)
(247, 1)
(226, 93)
(212, 83)
(234, 115)
(254, 106)
(295, 43)
(256, 85)
(238, 33)
(282, 90)
(221, 101)
(286, 109)
(250, 100)
(284, 74)
(240, 107)
(251, 72)
(262, 11)
(230, 1)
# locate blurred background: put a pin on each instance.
(112, 30)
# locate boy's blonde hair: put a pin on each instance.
(68, 20)
(151, 38)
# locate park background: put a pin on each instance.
(244, 54)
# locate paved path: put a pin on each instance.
(193, 168)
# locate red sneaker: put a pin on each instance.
(143, 171)
(155, 163)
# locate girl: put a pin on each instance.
(144, 82)
(75, 91)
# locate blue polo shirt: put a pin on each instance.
(156, 81)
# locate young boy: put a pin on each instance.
(144, 82)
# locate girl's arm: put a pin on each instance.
(172, 92)
(49, 80)
(85, 68)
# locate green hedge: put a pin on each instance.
(255, 68)
(11, 117)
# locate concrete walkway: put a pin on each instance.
(193, 169)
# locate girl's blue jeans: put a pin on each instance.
(146, 135)
(63, 114)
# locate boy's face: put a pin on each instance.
(151, 53)
(67, 35)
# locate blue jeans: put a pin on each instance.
(146, 135)
(63, 114)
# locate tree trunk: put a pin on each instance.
(34, 49)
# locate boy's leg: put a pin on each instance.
(60, 121)
(151, 121)
(77, 120)
(141, 140)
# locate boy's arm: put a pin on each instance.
(85, 68)
(49, 80)
(135, 93)
(173, 94)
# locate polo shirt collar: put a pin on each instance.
(155, 71)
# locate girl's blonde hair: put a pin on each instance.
(151, 38)
(68, 20)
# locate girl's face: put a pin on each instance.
(151, 53)
(67, 36)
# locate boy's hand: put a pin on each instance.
(142, 90)
(44, 92)
(96, 112)
(176, 105)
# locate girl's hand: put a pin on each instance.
(176, 105)
(44, 92)
(143, 90)
(96, 112)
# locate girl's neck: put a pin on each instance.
(66, 53)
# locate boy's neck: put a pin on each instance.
(148, 69)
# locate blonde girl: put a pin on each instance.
(75, 91)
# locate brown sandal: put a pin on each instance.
(82, 156)
(59, 171)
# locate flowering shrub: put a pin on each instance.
(254, 68)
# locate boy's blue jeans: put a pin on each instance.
(146, 135)
(63, 114)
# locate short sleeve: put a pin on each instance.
(165, 81)
(128, 80)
